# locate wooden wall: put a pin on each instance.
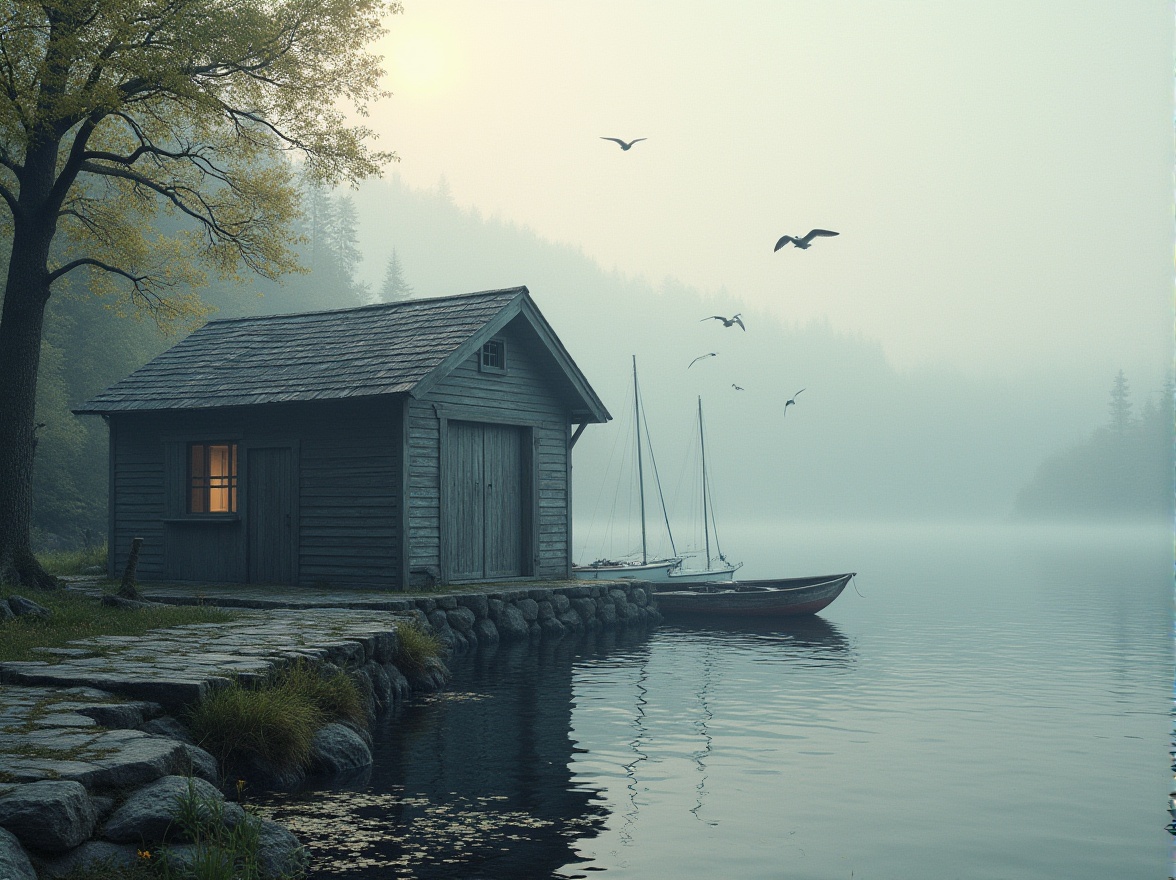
(522, 396)
(347, 481)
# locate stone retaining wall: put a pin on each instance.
(92, 757)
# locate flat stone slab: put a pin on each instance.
(178, 666)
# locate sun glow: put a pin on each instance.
(420, 64)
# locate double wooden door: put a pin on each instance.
(485, 501)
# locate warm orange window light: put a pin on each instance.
(212, 478)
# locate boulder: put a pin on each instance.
(149, 814)
(5, 611)
(279, 852)
(169, 727)
(462, 620)
(23, 607)
(477, 603)
(486, 632)
(381, 685)
(586, 608)
(50, 816)
(552, 628)
(337, 748)
(544, 611)
(120, 716)
(14, 861)
(203, 765)
(561, 603)
(511, 623)
(571, 620)
(91, 857)
(529, 608)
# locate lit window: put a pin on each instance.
(212, 478)
(494, 356)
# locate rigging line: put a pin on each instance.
(593, 520)
(706, 485)
(657, 481)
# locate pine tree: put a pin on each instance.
(394, 287)
(1120, 405)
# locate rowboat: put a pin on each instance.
(775, 597)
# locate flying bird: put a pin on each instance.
(728, 322)
(736, 387)
(806, 242)
(624, 146)
(791, 401)
(702, 357)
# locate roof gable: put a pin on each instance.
(390, 348)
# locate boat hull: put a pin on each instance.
(655, 572)
(781, 597)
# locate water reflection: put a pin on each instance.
(474, 781)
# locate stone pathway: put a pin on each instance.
(177, 666)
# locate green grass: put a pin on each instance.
(74, 561)
(276, 721)
(416, 647)
(78, 616)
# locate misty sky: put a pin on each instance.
(1000, 172)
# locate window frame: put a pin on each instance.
(231, 485)
(483, 366)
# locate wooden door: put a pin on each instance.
(270, 515)
(484, 510)
(503, 467)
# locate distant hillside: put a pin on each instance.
(1122, 470)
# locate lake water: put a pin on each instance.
(987, 702)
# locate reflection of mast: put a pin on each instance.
(635, 745)
(701, 726)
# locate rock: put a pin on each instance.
(494, 608)
(586, 608)
(486, 631)
(50, 816)
(544, 611)
(279, 852)
(261, 774)
(640, 598)
(169, 727)
(627, 613)
(529, 608)
(446, 603)
(401, 689)
(552, 628)
(477, 603)
(181, 859)
(14, 861)
(534, 630)
(571, 620)
(337, 748)
(367, 691)
(381, 685)
(439, 621)
(5, 611)
(23, 607)
(606, 612)
(384, 646)
(462, 620)
(120, 716)
(203, 765)
(134, 758)
(511, 623)
(560, 602)
(91, 857)
(149, 815)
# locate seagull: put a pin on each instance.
(727, 322)
(791, 401)
(806, 242)
(702, 357)
(736, 387)
(623, 145)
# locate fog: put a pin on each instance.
(865, 440)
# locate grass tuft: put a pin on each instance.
(416, 647)
(276, 721)
(78, 616)
(74, 561)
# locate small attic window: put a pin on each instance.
(493, 359)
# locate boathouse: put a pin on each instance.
(394, 445)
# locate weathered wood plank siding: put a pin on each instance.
(346, 462)
(524, 396)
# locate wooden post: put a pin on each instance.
(128, 590)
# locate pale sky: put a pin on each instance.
(1000, 172)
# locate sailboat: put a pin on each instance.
(667, 569)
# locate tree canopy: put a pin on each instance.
(114, 113)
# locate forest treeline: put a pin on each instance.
(1124, 469)
(89, 344)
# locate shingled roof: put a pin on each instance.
(390, 348)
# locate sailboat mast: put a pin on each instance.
(640, 469)
(705, 519)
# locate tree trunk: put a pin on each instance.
(21, 321)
